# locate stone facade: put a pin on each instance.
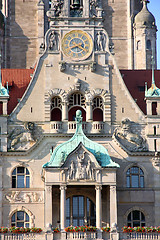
(77, 149)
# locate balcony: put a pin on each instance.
(88, 127)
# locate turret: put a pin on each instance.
(144, 38)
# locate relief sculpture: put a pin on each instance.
(22, 138)
(130, 140)
(25, 197)
(81, 168)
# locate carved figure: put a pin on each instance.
(56, 7)
(89, 170)
(23, 197)
(125, 133)
(100, 41)
(72, 171)
(20, 139)
(53, 43)
(93, 7)
(13, 197)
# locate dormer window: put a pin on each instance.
(76, 8)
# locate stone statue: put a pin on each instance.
(93, 7)
(100, 41)
(53, 41)
(130, 140)
(89, 170)
(56, 7)
(72, 171)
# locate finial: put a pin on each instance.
(145, 2)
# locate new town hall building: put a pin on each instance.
(80, 114)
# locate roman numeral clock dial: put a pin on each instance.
(77, 45)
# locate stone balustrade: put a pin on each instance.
(70, 127)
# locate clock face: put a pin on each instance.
(77, 45)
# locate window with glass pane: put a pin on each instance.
(20, 219)
(136, 219)
(20, 178)
(80, 209)
(135, 177)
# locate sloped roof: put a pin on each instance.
(135, 82)
(18, 80)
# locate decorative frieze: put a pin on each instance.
(24, 197)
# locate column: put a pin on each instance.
(5, 107)
(149, 107)
(64, 111)
(98, 206)
(89, 116)
(48, 206)
(113, 206)
(63, 207)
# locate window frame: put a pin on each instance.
(87, 215)
(141, 220)
(130, 176)
(25, 220)
(20, 178)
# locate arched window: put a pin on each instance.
(76, 102)
(139, 45)
(135, 177)
(20, 219)
(56, 109)
(149, 44)
(80, 210)
(20, 178)
(136, 219)
(97, 109)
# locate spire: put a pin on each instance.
(153, 64)
(153, 91)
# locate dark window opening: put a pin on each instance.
(72, 114)
(154, 108)
(149, 45)
(136, 219)
(155, 130)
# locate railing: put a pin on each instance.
(29, 236)
(139, 236)
(81, 235)
(70, 127)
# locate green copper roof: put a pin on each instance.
(61, 152)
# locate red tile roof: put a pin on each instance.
(135, 82)
(18, 80)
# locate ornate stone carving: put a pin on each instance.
(94, 5)
(63, 187)
(93, 66)
(49, 189)
(53, 40)
(62, 66)
(100, 41)
(98, 187)
(156, 159)
(56, 8)
(130, 140)
(80, 169)
(23, 197)
(22, 138)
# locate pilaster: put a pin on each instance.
(98, 206)
(48, 206)
(63, 207)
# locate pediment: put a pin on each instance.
(81, 164)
